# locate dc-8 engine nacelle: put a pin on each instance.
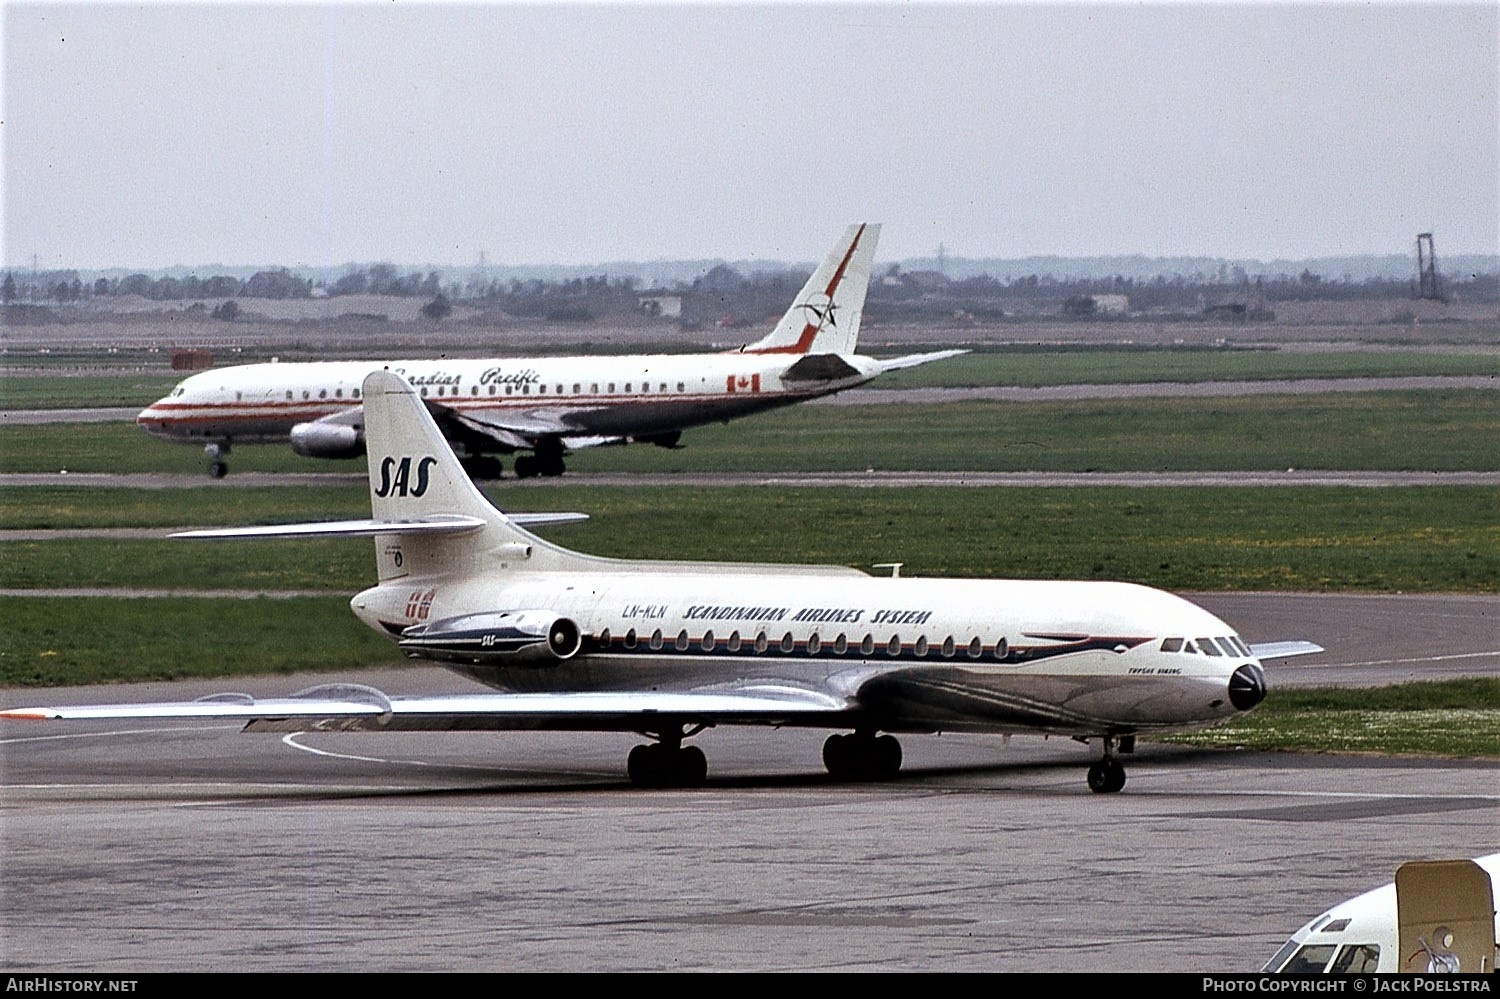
(494, 637)
(327, 440)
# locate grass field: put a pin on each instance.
(1423, 430)
(1307, 538)
(1017, 366)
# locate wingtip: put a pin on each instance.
(29, 714)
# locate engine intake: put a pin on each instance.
(327, 440)
(494, 637)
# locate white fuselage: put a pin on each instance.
(978, 655)
(627, 396)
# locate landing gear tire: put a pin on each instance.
(660, 766)
(218, 469)
(862, 757)
(526, 467)
(484, 467)
(1107, 776)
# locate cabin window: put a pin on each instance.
(976, 647)
(238, 396)
(706, 643)
(509, 389)
(338, 393)
(1002, 649)
(920, 648)
(656, 639)
(541, 390)
(611, 387)
(473, 390)
(814, 643)
(322, 393)
(308, 395)
(893, 647)
(525, 389)
(840, 644)
(604, 637)
(788, 643)
(424, 391)
(354, 394)
(594, 388)
(289, 396)
(733, 644)
(867, 646)
(948, 646)
(577, 389)
(761, 642)
(627, 386)
(630, 639)
(681, 387)
(492, 390)
(663, 387)
(682, 641)
(1171, 645)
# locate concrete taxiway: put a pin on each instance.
(138, 847)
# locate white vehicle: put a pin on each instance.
(547, 406)
(668, 649)
(1435, 917)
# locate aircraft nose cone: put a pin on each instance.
(1247, 687)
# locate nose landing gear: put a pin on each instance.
(217, 466)
(1108, 775)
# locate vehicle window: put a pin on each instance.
(840, 644)
(893, 647)
(733, 645)
(682, 641)
(814, 643)
(761, 642)
(920, 648)
(1309, 960)
(1171, 645)
(1280, 957)
(948, 646)
(1002, 649)
(656, 639)
(867, 646)
(976, 647)
(788, 643)
(1356, 959)
(1209, 647)
(707, 644)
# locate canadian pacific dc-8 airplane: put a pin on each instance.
(575, 642)
(547, 406)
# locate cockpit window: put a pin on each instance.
(1209, 647)
(1171, 645)
(1309, 960)
(1356, 959)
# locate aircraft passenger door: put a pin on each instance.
(1445, 914)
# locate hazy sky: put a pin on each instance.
(319, 134)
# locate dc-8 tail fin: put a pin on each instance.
(824, 317)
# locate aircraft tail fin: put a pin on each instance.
(416, 479)
(824, 317)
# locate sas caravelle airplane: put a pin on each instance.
(547, 405)
(576, 642)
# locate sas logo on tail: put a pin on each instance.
(396, 477)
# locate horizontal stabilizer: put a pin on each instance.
(912, 360)
(1284, 650)
(436, 524)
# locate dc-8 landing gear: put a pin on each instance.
(862, 755)
(1108, 775)
(667, 762)
(217, 466)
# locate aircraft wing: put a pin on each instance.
(520, 431)
(912, 360)
(356, 708)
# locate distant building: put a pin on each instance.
(1111, 305)
(663, 306)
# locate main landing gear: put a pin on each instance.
(667, 762)
(862, 755)
(217, 466)
(548, 460)
(483, 467)
(1108, 775)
